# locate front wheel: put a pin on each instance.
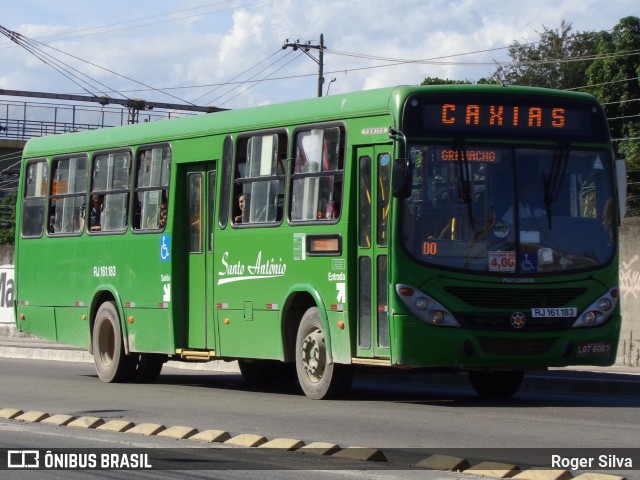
(112, 365)
(496, 385)
(319, 377)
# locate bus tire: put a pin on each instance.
(496, 385)
(109, 357)
(146, 367)
(319, 378)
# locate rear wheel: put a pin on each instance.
(319, 377)
(111, 362)
(496, 385)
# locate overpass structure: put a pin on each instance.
(22, 119)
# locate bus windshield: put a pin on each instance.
(509, 210)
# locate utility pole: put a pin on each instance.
(305, 47)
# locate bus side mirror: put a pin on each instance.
(401, 178)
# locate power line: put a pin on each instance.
(22, 40)
(265, 78)
(234, 77)
(70, 35)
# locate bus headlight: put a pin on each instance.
(599, 311)
(437, 318)
(422, 303)
(425, 307)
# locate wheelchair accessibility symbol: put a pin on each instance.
(165, 248)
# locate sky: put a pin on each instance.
(230, 53)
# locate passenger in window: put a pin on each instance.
(52, 220)
(95, 213)
(162, 217)
(243, 205)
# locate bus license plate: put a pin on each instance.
(570, 312)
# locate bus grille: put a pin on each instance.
(503, 322)
(516, 299)
(508, 346)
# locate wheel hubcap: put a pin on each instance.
(314, 355)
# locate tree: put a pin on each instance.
(8, 219)
(443, 81)
(553, 62)
(613, 78)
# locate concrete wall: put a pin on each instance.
(628, 350)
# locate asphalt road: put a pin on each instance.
(403, 419)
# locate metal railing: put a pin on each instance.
(23, 120)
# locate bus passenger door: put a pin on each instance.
(374, 172)
(201, 182)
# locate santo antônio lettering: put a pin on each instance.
(503, 116)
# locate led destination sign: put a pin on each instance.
(503, 114)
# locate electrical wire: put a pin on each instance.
(70, 35)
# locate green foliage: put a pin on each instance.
(443, 81)
(552, 62)
(613, 78)
(602, 63)
(8, 219)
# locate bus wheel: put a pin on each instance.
(319, 378)
(111, 362)
(147, 367)
(496, 385)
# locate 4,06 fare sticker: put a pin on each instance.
(502, 261)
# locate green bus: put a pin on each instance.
(384, 229)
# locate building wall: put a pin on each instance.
(629, 348)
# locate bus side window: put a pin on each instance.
(68, 195)
(225, 183)
(259, 179)
(317, 175)
(152, 189)
(111, 173)
(35, 190)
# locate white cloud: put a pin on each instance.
(212, 45)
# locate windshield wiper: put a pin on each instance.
(553, 181)
(464, 175)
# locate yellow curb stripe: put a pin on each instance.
(117, 426)
(361, 453)
(494, 469)
(59, 420)
(444, 462)
(10, 413)
(283, 444)
(86, 422)
(32, 416)
(178, 432)
(544, 475)
(246, 440)
(147, 429)
(599, 476)
(320, 448)
(211, 436)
